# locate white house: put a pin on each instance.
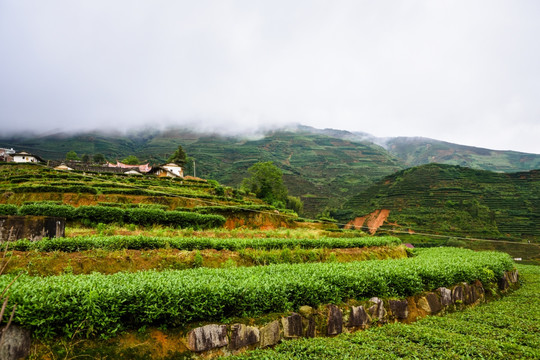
(175, 169)
(169, 170)
(24, 157)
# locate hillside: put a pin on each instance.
(86, 198)
(453, 200)
(414, 151)
(325, 167)
(321, 169)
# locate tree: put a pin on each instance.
(131, 160)
(100, 159)
(72, 155)
(266, 182)
(86, 158)
(294, 203)
(179, 156)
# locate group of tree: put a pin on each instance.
(86, 159)
(265, 180)
(178, 157)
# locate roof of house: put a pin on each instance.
(62, 167)
(133, 172)
(142, 168)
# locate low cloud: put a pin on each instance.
(456, 71)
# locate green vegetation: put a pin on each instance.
(322, 167)
(193, 243)
(456, 201)
(7, 209)
(72, 155)
(28, 182)
(106, 304)
(266, 182)
(420, 151)
(99, 158)
(178, 157)
(108, 214)
(131, 160)
(503, 329)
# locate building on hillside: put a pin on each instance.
(133, 172)
(142, 168)
(168, 170)
(6, 155)
(24, 157)
(63, 167)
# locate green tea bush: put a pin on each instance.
(8, 209)
(189, 219)
(81, 243)
(58, 189)
(106, 304)
(48, 209)
(100, 214)
(144, 216)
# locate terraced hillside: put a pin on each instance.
(418, 151)
(323, 167)
(29, 189)
(456, 201)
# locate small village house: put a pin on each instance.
(24, 157)
(169, 170)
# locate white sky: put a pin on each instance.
(463, 71)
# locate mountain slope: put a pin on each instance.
(418, 151)
(324, 167)
(456, 201)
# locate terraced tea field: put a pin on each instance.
(508, 328)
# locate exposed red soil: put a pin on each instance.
(372, 221)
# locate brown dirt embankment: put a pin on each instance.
(371, 221)
(110, 262)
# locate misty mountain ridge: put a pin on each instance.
(324, 167)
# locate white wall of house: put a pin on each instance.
(175, 169)
(25, 158)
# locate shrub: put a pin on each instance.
(47, 209)
(100, 214)
(8, 209)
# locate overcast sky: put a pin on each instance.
(460, 71)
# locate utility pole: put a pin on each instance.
(194, 172)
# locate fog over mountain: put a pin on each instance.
(463, 72)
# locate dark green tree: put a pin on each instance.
(294, 203)
(100, 159)
(131, 160)
(179, 156)
(266, 182)
(72, 155)
(86, 158)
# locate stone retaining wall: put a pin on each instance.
(32, 228)
(331, 320)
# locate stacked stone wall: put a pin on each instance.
(331, 320)
(32, 228)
